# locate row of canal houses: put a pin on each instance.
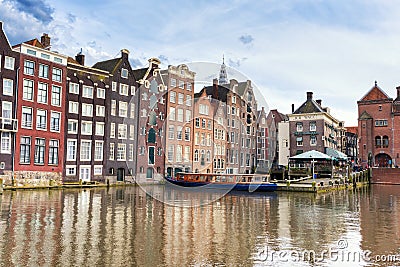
(64, 121)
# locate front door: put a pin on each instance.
(120, 174)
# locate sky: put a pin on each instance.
(336, 49)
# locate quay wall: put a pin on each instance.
(385, 176)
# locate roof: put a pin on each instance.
(335, 154)
(35, 42)
(218, 92)
(352, 129)
(108, 65)
(365, 116)
(310, 106)
(313, 154)
(375, 93)
(139, 73)
(278, 116)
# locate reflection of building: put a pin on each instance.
(379, 128)
(179, 122)
(87, 89)
(312, 127)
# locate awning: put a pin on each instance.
(313, 154)
(336, 154)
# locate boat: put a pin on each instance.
(238, 182)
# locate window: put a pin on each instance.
(299, 141)
(112, 130)
(114, 86)
(188, 115)
(40, 145)
(43, 71)
(98, 170)
(203, 123)
(186, 155)
(86, 127)
(87, 91)
(197, 122)
(55, 118)
(299, 126)
(187, 134)
(178, 153)
(122, 131)
(74, 88)
(123, 89)
(6, 143)
(380, 107)
(86, 147)
(196, 155)
(71, 149)
(188, 100)
(151, 137)
(171, 114)
(72, 126)
(113, 107)
(41, 119)
(378, 141)
(9, 63)
(121, 152)
(180, 115)
(132, 132)
(313, 140)
(27, 93)
(385, 141)
(141, 150)
(381, 123)
(87, 110)
(58, 60)
(25, 150)
(151, 155)
(181, 84)
(100, 111)
(26, 117)
(53, 152)
(131, 152)
(179, 133)
(132, 115)
(8, 87)
(56, 96)
(73, 107)
(101, 93)
(124, 73)
(189, 86)
(149, 173)
(172, 97)
(112, 151)
(100, 128)
(173, 82)
(197, 138)
(180, 98)
(313, 126)
(70, 170)
(84, 173)
(123, 109)
(98, 150)
(57, 74)
(144, 112)
(203, 109)
(29, 67)
(133, 90)
(170, 154)
(42, 93)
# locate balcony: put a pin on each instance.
(8, 124)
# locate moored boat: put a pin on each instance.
(239, 182)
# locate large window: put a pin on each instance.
(151, 136)
(9, 62)
(171, 132)
(179, 133)
(203, 109)
(187, 134)
(41, 119)
(123, 109)
(6, 143)
(313, 140)
(87, 91)
(74, 88)
(180, 115)
(151, 155)
(98, 150)
(25, 150)
(29, 67)
(56, 96)
(171, 114)
(180, 98)
(73, 107)
(86, 146)
(122, 131)
(100, 110)
(86, 127)
(101, 93)
(55, 121)
(123, 89)
(27, 93)
(112, 151)
(57, 74)
(40, 145)
(53, 152)
(178, 153)
(72, 126)
(42, 93)
(8, 87)
(100, 128)
(26, 117)
(172, 97)
(71, 149)
(170, 153)
(43, 71)
(87, 110)
(121, 152)
(113, 107)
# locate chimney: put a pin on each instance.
(124, 52)
(80, 58)
(45, 40)
(309, 95)
(319, 102)
(398, 91)
(292, 108)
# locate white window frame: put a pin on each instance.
(87, 110)
(100, 110)
(87, 91)
(100, 145)
(123, 89)
(100, 128)
(123, 109)
(9, 62)
(9, 85)
(72, 122)
(89, 155)
(86, 127)
(74, 88)
(70, 167)
(101, 93)
(73, 158)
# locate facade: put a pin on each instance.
(312, 127)
(203, 114)
(85, 117)
(179, 121)
(283, 143)
(120, 119)
(150, 156)
(219, 138)
(40, 111)
(351, 144)
(379, 128)
(262, 142)
(9, 66)
(273, 119)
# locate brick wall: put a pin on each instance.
(385, 176)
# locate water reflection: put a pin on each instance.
(126, 227)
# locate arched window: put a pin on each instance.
(378, 141)
(151, 138)
(152, 118)
(153, 102)
(385, 141)
(154, 86)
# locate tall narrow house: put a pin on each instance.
(40, 111)
(9, 65)
(85, 116)
(121, 119)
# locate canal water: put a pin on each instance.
(127, 227)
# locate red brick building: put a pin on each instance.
(379, 128)
(41, 105)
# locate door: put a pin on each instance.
(120, 174)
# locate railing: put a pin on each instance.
(8, 124)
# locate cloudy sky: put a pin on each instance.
(337, 49)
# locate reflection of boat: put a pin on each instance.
(239, 182)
